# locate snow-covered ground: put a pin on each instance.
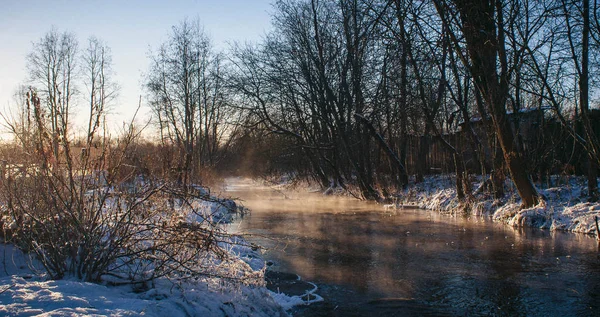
(564, 207)
(26, 291)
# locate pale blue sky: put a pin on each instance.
(129, 28)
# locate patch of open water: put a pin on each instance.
(369, 261)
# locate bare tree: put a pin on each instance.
(482, 25)
(186, 92)
(581, 60)
(52, 69)
(97, 76)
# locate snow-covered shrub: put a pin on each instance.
(138, 235)
(87, 214)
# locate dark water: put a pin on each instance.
(367, 261)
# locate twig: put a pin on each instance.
(7, 288)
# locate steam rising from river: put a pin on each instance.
(470, 263)
(276, 198)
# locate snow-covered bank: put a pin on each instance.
(289, 290)
(564, 208)
(25, 290)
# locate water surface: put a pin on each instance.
(369, 261)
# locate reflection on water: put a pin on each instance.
(414, 262)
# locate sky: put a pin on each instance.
(129, 27)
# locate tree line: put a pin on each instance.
(336, 91)
(348, 82)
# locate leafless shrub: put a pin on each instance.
(89, 215)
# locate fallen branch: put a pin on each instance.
(7, 288)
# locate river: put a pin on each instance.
(368, 261)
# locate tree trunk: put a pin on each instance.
(485, 45)
(584, 105)
(390, 153)
(592, 179)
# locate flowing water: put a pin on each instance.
(368, 261)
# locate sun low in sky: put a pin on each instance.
(130, 28)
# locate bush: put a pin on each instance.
(91, 216)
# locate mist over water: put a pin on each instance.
(367, 260)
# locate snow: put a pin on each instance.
(288, 302)
(26, 291)
(36, 296)
(564, 206)
(217, 211)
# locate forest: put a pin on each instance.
(361, 95)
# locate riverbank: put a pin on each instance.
(564, 207)
(26, 290)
